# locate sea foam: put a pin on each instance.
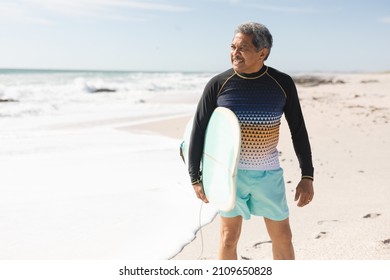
(76, 187)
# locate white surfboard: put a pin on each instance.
(220, 157)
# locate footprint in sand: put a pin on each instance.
(371, 215)
(321, 235)
(386, 241)
(258, 244)
(326, 221)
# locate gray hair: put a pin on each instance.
(262, 38)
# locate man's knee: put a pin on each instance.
(230, 231)
(285, 235)
(229, 237)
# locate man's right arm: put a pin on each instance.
(205, 108)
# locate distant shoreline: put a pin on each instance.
(44, 70)
(299, 73)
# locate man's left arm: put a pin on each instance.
(293, 113)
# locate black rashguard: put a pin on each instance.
(259, 101)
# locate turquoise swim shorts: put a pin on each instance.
(260, 193)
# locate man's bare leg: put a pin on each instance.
(230, 231)
(281, 236)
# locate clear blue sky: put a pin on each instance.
(195, 35)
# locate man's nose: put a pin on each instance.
(235, 52)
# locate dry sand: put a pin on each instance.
(349, 218)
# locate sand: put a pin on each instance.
(349, 219)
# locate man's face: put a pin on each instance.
(244, 56)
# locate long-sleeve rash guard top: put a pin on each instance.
(259, 101)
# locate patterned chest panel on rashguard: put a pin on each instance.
(258, 104)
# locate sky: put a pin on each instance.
(195, 35)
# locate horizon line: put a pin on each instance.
(28, 69)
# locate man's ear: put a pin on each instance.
(264, 53)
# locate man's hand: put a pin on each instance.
(304, 192)
(198, 188)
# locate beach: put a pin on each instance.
(103, 178)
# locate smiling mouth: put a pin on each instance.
(237, 60)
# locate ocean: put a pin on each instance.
(75, 184)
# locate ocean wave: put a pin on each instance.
(33, 93)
